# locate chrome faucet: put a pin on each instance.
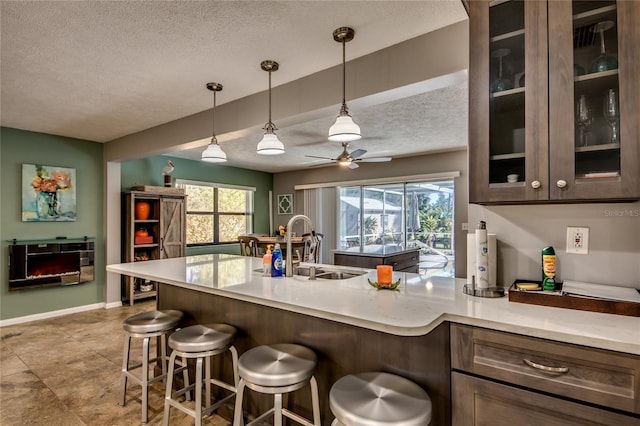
(288, 269)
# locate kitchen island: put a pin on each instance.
(353, 327)
(369, 256)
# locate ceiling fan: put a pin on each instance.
(352, 159)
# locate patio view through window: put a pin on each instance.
(217, 213)
(405, 215)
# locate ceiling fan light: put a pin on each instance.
(344, 130)
(270, 145)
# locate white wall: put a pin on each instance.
(523, 231)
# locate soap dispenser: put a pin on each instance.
(266, 262)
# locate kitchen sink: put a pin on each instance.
(329, 274)
(324, 273)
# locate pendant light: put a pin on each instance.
(344, 129)
(213, 153)
(270, 144)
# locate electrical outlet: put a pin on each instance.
(577, 240)
(465, 226)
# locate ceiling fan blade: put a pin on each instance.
(358, 153)
(353, 165)
(322, 165)
(324, 158)
(374, 159)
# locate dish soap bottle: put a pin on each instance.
(266, 262)
(548, 269)
(276, 262)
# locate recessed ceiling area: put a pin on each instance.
(435, 121)
(100, 71)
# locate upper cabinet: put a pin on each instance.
(554, 101)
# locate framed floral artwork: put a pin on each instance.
(285, 204)
(48, 193)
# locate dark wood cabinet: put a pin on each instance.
(537, 101)
(482, 402)
(402, 260)
(491, 368)
(165, 229)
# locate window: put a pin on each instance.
(217, 213)
(374, 218)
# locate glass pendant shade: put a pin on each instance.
(270, 145)
(344, 130)
(214, 154)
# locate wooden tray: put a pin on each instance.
(158, 189)
(557, 300)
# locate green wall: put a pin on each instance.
(18, 147)
(148, 171)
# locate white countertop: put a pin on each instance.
(419, 306)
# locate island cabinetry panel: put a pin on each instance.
(158, 234)
(483, 402)
(554, 98)
(600, 379)
(406, 261)
(341, 348)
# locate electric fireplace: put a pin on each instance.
(45, 264)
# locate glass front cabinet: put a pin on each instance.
(554, 110)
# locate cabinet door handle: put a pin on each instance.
(556, 370)
(536, 184)
(561, 183)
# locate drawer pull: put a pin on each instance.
(556, 370)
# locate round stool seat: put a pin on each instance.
(277, 365)
(151, 322)
(202, 338)
(376, 399)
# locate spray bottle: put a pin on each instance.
(548, 269)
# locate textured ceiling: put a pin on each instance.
(100, 70)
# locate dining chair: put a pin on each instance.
(311, 252)
(248, 245)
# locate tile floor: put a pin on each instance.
(66, 371)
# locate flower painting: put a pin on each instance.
(48, 193)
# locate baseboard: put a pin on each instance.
(113, 305)
(53, 314)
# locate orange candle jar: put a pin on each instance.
(385, 274)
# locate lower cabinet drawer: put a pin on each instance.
(483, 402)
(606, 378)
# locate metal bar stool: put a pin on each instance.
(378, 399)
(145, 326)
(200, 342)
(277, 369)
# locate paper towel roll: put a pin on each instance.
(471, 258)
(482, 257)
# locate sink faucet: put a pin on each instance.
(288, 269)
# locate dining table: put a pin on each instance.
(297, 244)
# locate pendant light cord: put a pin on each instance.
(270, 127)
(270, 97)
(343, 109)
(344, 74)
(213, 125)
